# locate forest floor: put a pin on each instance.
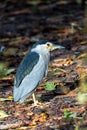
(23, 23)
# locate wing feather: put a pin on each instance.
(30, 81)
(25, 67)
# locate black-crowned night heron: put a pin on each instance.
(32, 69)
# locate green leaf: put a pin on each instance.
(1, 66)
(9, 71)
(4, 70)
(3, 114)
(68, 115)
(73, 115)
(82, 98)
(49, 86)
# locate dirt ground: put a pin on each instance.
(22, 23)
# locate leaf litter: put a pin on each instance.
(20, 29)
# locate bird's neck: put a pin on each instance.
(44, 53)
(41, 51)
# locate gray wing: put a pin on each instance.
(30, 81)
(25, 67)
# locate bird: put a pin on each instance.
(32, 69)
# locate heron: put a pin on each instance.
(32, 69)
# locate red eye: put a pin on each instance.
(48, 44)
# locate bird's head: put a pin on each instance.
(44, 45)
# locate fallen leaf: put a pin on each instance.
(5, 99)
(3, 114)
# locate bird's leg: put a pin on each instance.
(34, 99)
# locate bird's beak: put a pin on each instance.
(54, 46)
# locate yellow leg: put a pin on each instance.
(34, 99)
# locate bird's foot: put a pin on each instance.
(36, 102)
(34, 99)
